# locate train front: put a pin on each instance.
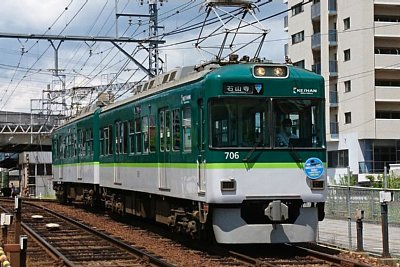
(265, 163)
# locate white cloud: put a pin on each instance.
(88, 64)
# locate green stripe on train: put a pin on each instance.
(262, 165)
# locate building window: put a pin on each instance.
(347, 86)
(298, 37)
(347, 117)
(386, 114)
(338, 159)
(346, 23)
(347, 55)
(296, 9)
(300, 64)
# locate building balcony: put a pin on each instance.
(285, 23)
(387, 29)
(373, 167)
(332, 9)
(387, 61)
(333, 68)
(387, 93)
(332, 38)
(334, 129)
(387, 2)
(286, 50)
(316, 68)
(387, 128)
(316, 41)
(333, 99)
(316, 11)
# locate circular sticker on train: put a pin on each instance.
(314, 168)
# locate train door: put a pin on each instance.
(201, 161)
(164, 123)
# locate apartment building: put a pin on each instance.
(355, 45)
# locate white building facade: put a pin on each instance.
(355, 45)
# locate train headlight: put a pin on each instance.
(270, 71)
(259, 71)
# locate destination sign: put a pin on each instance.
(243, 88)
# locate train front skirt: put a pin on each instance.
(230, 228)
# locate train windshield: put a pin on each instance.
(278, 123)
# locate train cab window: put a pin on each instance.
(299, 123)
(176, 130)
(239, 122)
(186, 128)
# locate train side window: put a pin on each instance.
(89, 141)
(168, 130)
(186, 127)
(145, 133)
(55, 148)
(162, 130)
(131, 137)
(152, 133)
(110, 143)
(176, 130)
(138, 136)
(101, 138)
(74, 144)
(124, 133)
(104, 146)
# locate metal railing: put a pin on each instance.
(315, 10)
(332, 37)
(362, 198)
(316, 68)
(332, 7)
(333, 97)
(373, 166)
(316, 40)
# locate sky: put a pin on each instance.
(27, 65)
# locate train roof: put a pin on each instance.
(176, 77)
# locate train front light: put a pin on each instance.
(270, 71)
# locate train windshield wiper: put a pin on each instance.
(256, 144)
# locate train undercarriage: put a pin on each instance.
(186, 216)
(182, 216)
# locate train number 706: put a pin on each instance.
(231, 155)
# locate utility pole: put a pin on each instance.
(155, 62)
(153, 34)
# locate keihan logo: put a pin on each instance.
(304, 91)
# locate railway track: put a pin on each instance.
(293, 255)
(72, 243)
(260, 255)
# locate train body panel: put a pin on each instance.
(261, 184)
(210, 150)
(174, 182)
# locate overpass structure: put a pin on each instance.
(26, 132)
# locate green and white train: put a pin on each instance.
(196, 148)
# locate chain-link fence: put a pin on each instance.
(362, 198)
(340, 229)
